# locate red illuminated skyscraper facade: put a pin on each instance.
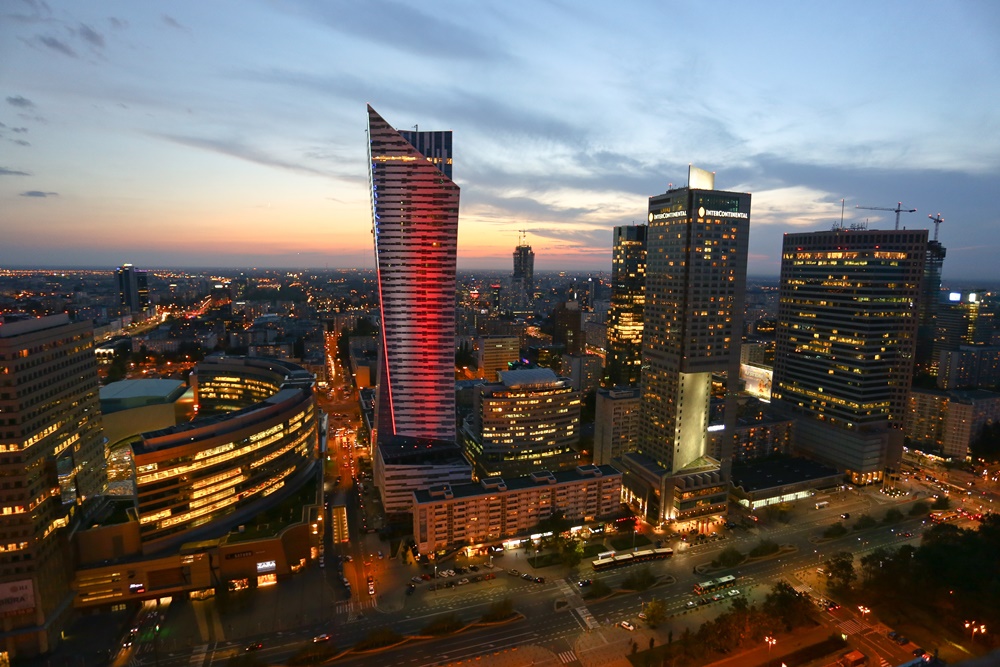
(415, 224)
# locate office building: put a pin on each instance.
(693, 321)
(528, 421)
(963, 318)
(52, 462)
(133, 289)
(846, 337)
(616, 423)
(623, 361)
(568, 328)
(479, 514)
(403, 465)
(415, 223)
(495, 354)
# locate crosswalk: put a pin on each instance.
(354, 608)
(567, 657)
(198, 656)
(853, 627)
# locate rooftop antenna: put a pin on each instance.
(416, 128)
(937, 223)
(841, 213)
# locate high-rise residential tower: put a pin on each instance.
(628, 294)
(52, 461)
(415, 223)
(133, 289)
(846, 337)
(930, 298)
(696, 264)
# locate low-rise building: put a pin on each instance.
(449, 515)
(616, 425)
(404, 464)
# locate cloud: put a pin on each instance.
(117, 24)
(39, 193)
(12, 172)
(90, 35)
(19, 142)
(56, 45)
(239, 150)
(172, 22)
(20, 102)
(18, 130)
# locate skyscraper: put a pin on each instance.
(52, 460)
(693, 317)
(523, 278)
(846, 336)
(133, 289)
(415, 223)
(628, 295)
(930, 297)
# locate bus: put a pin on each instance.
(713, 585)
(942, 517)
(621, 560)
(823, 503)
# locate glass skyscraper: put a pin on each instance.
(628, 296)
(415, 224)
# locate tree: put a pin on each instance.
(656, 613)
(786, 605)
(836, 530)
(941, 503)
(864, 522)
(919, 509)
(571, 553)
(764, 548)
(840, 570)
(871, 563)
(730, 557)
(892, 516)
(598, 589)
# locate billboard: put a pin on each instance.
(16, 597)
(756, 381)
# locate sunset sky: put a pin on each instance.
(232, 133)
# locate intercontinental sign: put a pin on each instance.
(667, 216)
(722, 214)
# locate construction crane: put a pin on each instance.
(937, 223)
(899, 209)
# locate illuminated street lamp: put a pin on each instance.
(973, 628)
(864, 611)
(770, 641)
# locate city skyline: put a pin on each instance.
(190, 137)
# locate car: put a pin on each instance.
(255, 646)
(716, 597)
(489, 576)
(832, 606)
(478, 577)
(463, 581)
(901, 640)
(734, 593)
(348, 558)
(426, 577)
(918, 651)
(321, 638)
(527, 577)
(474, 568)
(416, 580)
(583, 583)
(845, 515)
(892, 635)
(704, 600)
(539, 580)
(691, 604)
(628, 626)
(642, 616)
(907, 534)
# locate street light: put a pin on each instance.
(770, 641)
(973, 627)
(864, 611)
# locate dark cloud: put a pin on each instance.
(20, 142)
(57, 45)
(90, 35)
(172, 22)
(117, 24)
(39, 193)
(18, 130)
(12, 172)
(20, 102)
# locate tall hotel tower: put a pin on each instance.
(696, 265)
(523, 278)
(51, 460)
(628, 296)
(846, 337)
(133, 289)
(415, 216)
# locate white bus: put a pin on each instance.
(823, 503)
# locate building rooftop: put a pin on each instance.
(528, 377)
(407, 450)
(491, 485)
(778, 471)
(127, 394)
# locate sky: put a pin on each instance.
(232, 133)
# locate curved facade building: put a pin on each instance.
(228, 465)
